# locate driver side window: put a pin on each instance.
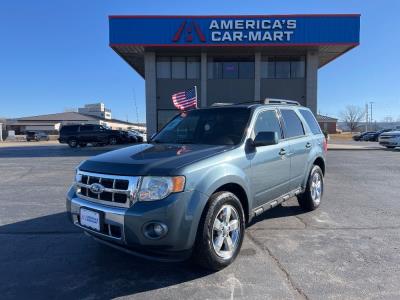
(267, 121)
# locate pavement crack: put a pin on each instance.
(286, 274)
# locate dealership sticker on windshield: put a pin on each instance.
(90, 219)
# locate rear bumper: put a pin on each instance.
(123, 228)
(394, 142)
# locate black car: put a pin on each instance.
(81, 135)
(359, 137)
(373, 137)
(36, 136)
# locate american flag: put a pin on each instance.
(186, 99)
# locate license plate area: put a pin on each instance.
(91, 219)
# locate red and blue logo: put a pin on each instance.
(187, 30)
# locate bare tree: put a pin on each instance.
(352, 116)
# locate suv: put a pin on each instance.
(192, 189)
(81, 135)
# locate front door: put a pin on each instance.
(270, 165)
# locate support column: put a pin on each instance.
(312, 80)
(257, 76)
(151, 92)
(1, 132)
(203, 80)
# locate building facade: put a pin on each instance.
(96, 109)
(230, 58)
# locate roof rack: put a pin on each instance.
(280, 101)
(222, 104)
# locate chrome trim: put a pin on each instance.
(131, 192)
(112, 216)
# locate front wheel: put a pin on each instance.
(390, 147)
(112, 140)
(312, 196)
(220, 233)
(72, 143)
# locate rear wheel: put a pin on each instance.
(72, 143)
(220, 233)
(390, 147)
(312, 196)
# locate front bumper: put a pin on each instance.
(391, 142)
(124, 227)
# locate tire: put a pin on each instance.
(82, 145)
(311, 198)
(112, 140)
(390, 147)
(73, 143)
(208, 239)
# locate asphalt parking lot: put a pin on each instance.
(349, 248)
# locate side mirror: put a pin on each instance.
(266, 138)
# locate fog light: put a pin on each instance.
(155, 230)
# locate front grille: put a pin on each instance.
(115, 190)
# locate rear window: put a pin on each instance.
(311, 121)
(69, 129)
(293, 125)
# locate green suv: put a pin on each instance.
(191, 190)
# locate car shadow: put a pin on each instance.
(49, 257)
(55, 150)
(281, 211)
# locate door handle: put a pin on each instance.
(308, 145)
(282, 152)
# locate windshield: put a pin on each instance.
(217, 126)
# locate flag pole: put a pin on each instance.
(195, 92)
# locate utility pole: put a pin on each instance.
(366, 117)
(371, 112)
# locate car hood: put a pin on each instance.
(150, 159)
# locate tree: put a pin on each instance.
(352, 116)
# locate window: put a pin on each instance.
(87, 128)
(164, 116)
(163, 67)
(310, 119)
(193, 67)
(268, 67)
(267, 121)
(178, 67)
(293, 125)
(211, 127)
(283, 67)
(230, 68)
(297, 67)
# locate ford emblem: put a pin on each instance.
(96, 188)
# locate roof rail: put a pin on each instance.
(222, 104)
(280, 101)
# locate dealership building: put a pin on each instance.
(230, 58)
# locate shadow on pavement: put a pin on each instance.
(280, 211)
(47, 257)
(54, 151)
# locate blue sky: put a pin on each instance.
(54, 54)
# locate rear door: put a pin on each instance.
(300, 146)
(270, 165)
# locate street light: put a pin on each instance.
(371, 102)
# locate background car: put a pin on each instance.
(390, 139)
(82, 135)
(36, 136)
(135, 136)
(373, 137)
(359, 137)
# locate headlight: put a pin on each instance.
(157, 188)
